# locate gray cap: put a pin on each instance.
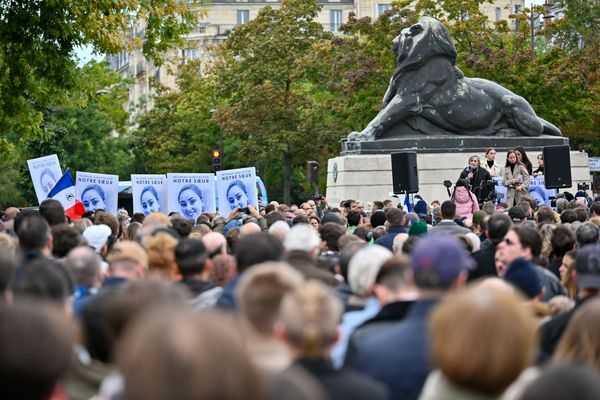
(587, 265)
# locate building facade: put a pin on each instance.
(225, 15)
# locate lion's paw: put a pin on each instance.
(360, 137)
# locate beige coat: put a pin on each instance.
(513, 180)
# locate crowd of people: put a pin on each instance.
(360, 301)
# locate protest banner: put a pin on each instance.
(191, 194)
(149, 193)
(537, 190)
(236, 188)
(98, 191)
(45, 172)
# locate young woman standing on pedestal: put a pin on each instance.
(516, 179)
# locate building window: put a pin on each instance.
(335, 20)
(243, 16)
(498, 13)
(517, 8)
(189, 54)
(381, 8)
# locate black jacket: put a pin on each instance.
(344, 384)
(387, 316)
(480, 175)
(486, 264)
(552, 331)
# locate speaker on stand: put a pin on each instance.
(557, 167)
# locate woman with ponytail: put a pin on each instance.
(308, 322)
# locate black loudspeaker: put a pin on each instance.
(557, 166)
(405, 176)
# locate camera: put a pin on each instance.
(583, 187)
(317, 197)
(244, 210)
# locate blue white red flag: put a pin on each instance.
(64, 191)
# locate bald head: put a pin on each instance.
(248, 228)
(84, 264)
(10, 213)
(214, 241)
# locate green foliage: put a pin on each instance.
(177, 135)
(284, 92)
(38, 40)
(262, 70)
(85, 138)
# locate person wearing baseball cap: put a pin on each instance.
(587, 268)
(97, 237)
(398, 355)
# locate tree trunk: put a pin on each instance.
(287, 177)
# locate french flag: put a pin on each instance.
(64, 191)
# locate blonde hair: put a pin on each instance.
(8, 243)
(546, 232)
(161, 255)
(504, 330)
(157, 217)
(311, 315)
(260, 292)
(580, 344)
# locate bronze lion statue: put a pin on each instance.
(428, 94)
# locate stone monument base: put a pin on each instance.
(446, 143)
(368, 177)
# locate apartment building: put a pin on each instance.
(225, 15)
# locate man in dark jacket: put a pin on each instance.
(447, 226)
(194, 266)
(497, 227)
(395, 219)
(587, 267)
(396, 294)
(398, 356)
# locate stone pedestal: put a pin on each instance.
(368, 177)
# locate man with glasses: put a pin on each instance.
(526, 242)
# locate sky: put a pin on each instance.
(85, 54)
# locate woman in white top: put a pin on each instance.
(494, 167)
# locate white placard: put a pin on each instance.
(149, 193)
(98, 191)
(236, 188)
(191, 194)
(45, 172)
(537, 190)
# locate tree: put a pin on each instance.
(261, 71)
(38, 40)
(177, 135)
(84, 138)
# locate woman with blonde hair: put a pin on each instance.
(481, 340)
(161, 256)
(308, 322)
